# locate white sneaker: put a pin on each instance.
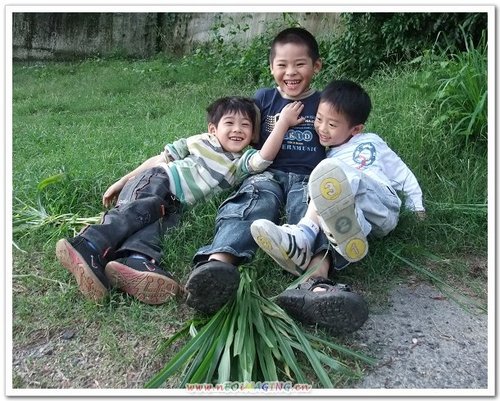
(281, 244)
(331, 193)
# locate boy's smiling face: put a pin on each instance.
(332, 127)
(234, 131)
(293, 68)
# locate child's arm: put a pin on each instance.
(114, 190)
(289, 117)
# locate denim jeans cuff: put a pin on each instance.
(205, 252)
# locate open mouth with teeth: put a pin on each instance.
(235, 138)
(292, 84)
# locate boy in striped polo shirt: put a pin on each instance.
(124, 250)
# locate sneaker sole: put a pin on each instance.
(331, 193)
(340, 312)
(274, 249)
(148, 287)
(88, 283)
(210, 287)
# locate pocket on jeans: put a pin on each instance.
(298, 200)
(238, 204)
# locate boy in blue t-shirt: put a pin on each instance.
(294, 60)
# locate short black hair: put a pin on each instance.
(235, 104)
(231, 104)
(299, 36)
(349, 99)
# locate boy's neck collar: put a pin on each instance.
(303, 95)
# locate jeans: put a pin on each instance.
(145, 210)
(262, 196)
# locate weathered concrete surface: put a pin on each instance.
(60, 36)
(423, 340)
(73, 35)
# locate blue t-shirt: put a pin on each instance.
(300, 151)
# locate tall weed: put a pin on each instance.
(463, 95)
(458, 83)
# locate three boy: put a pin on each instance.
(295, 128)
(294, 60)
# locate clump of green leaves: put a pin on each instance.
(370, 41)
(457, 83)
(28, 218)
(252, 339)
(462, 94)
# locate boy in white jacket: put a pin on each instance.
(352, 194)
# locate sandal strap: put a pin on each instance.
(321, 282)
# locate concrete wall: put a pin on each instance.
(74, 35)
(61, 36)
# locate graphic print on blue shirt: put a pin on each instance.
(364, 155)
(295, 135)
(301, 150)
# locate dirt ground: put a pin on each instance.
(425, 341)
(421, 339)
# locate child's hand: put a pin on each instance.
(111, 194)
(290, 115)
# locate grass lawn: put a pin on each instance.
(95, 120)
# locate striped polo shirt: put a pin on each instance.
(198, 167)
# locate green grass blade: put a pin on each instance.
(329, 361)
(200, 355)
(443, 286)
(247, 357)
(313, 358)
(343, 350)
(258, 322)
(224, 370)
(50, 180)
(271, 309)
(192, 330)
(289, 357)
(183, 332)
(209, 357)
(469, 208)
(185, 353)
(207, 368)
(336, 365)
(241, 334)
(242, 310)
(266, 360)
